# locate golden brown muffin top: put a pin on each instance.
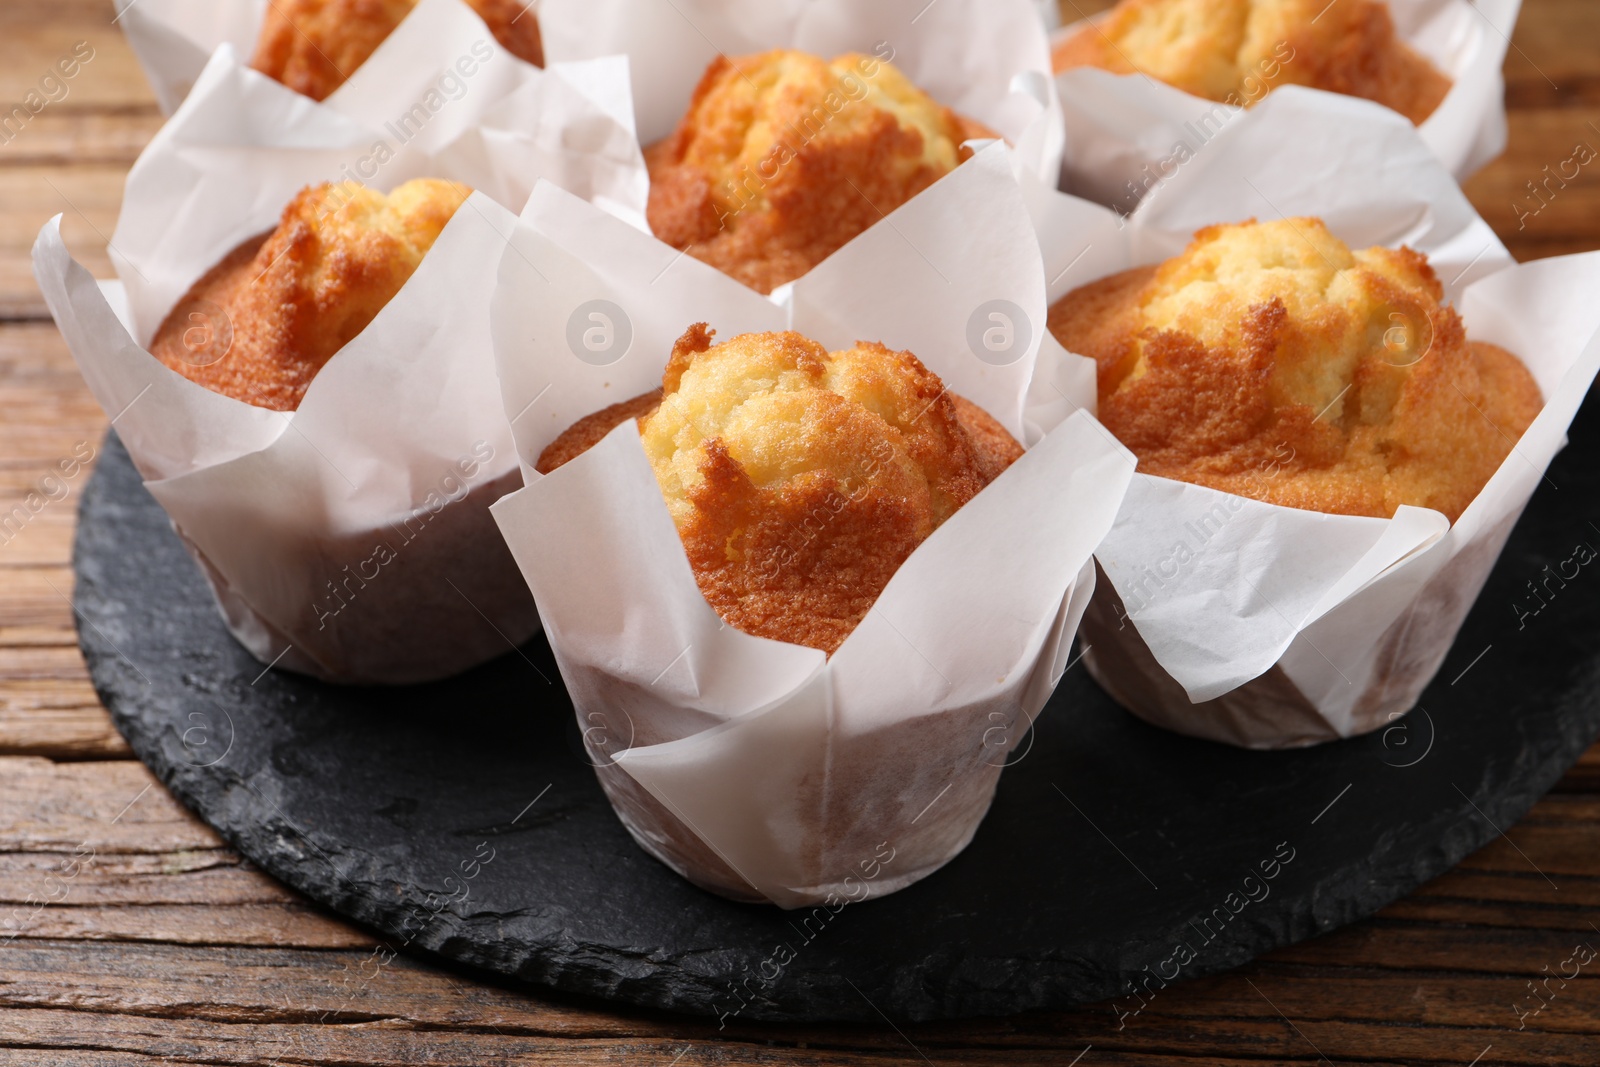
(313, 46)
(783, 157)
(1271, 361)
(1238, 50)
(289, 301)
(801, 479)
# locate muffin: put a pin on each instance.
(313, 46)
(290, 299)
(801, 479)
(783, 157)
(1271, 361)
(1236, 51)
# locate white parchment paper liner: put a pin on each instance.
(1120, 124)
(173, 39)
(1288, 627)
(987, 59)
(400, 443)
(758, 769)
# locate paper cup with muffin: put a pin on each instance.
(300, 365)
(315, 47)
(1146, 84)
(802, 581)
(776, 132)
(1342, 395)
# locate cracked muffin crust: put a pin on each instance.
(290, 299)
(1236, 51)
(1272, 361)
(783, 158)
(801, 479)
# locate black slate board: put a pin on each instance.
(1110, 843)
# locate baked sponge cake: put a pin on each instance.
(783, 157)
(1237, 51)
(261, 323)
(1272, 361)
(801, 479)
(313, 46)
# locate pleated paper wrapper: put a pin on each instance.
(1128, 128)
(762, 770)
(351, 539)
(1284, 627)
(987, 59)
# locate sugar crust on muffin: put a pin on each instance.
(801, 479)
(1237, 51)
(292, 298)
(1272, 361)
(784, 157)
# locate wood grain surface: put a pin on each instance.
(130, 935)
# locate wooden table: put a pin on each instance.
(165, 947)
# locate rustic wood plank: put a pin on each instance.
(300, 988)
(59, 721)
(1548, 65)
(35, 34)
(1444, 1000)
(81, 837)
(1285, 1038)
(1584, 777)
(189, 876)
(387, 1040)
(301, 925)
(74, 134)
(72, 156)
(295, 986)
(109, 807)
(1467, 883)
(666, 1055)
(87, 197)
(284, 985)
(1538, 197)
(1424, 946)
(37, 597)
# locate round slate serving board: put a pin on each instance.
(460, 819)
